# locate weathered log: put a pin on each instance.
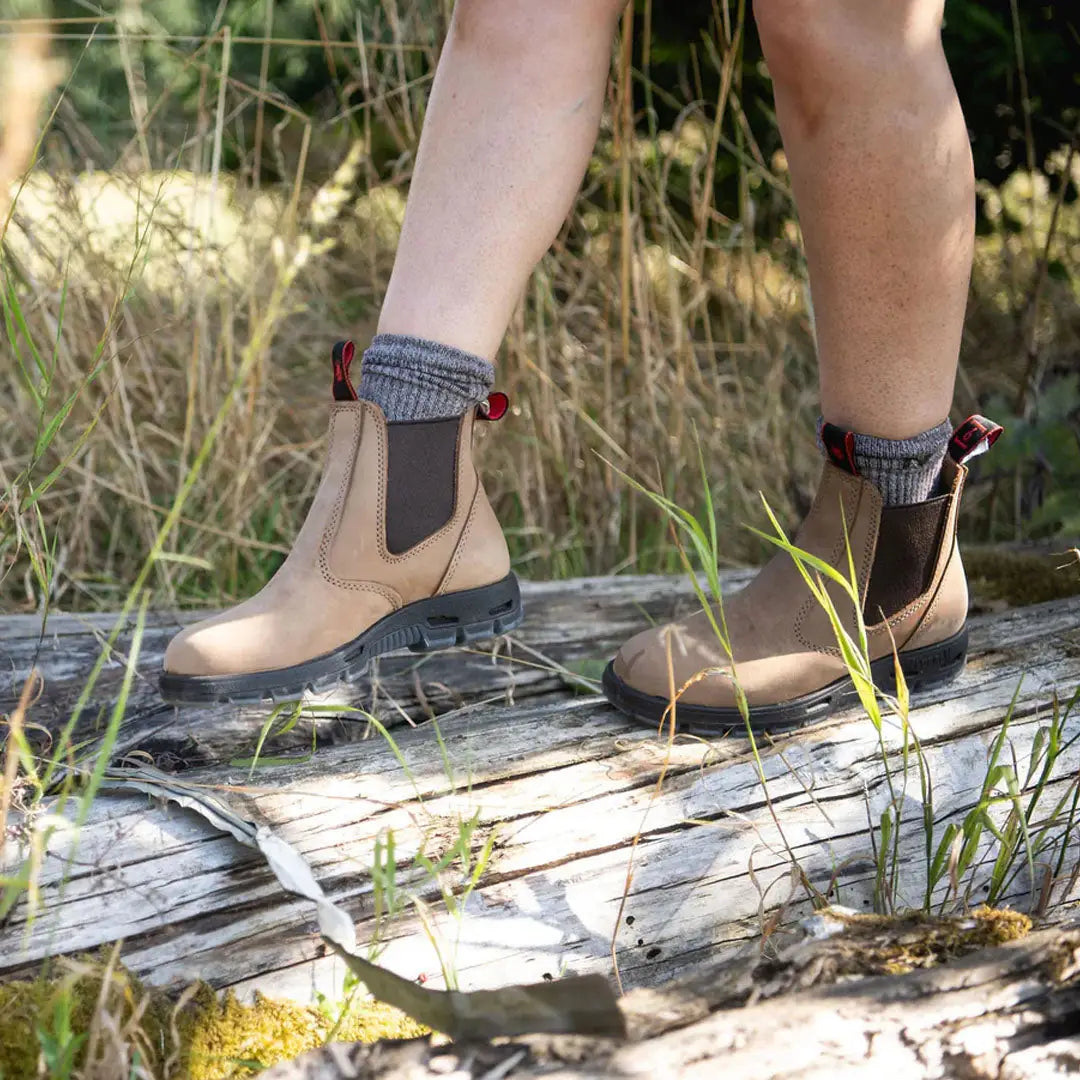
(567, 622)
(592, 858)
(1007, 1013)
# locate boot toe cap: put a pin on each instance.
(689, 657)
(211, 647)
(665, 659)
(187, 653)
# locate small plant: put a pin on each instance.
(455, 873)
(983, 851)
(59, 1042)
(281, 720)
(389, 899)
(1040, 823)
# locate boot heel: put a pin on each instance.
(471, 615)
(932, 665)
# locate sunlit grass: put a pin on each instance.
(1025, 818)
(165, 332)
(144, 292)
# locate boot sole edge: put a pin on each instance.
(429, 625)
(923, 668)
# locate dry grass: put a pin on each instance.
(168, 322)
(160, 283)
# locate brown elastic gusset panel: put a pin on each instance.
(421, 480)
(907, 551)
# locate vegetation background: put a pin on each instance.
(216, 198)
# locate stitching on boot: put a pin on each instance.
(881, 630)
(330, 532)
(463, 542)
(869, 551)
(929, 613)
(945, 555)
(932, 596)
(953, 550)
(422, 480)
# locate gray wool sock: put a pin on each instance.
(413, 379)
(904, 470)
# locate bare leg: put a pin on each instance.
(509, 129)
(883, 178)
(400, 525)
(882, 173)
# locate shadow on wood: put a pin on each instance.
(589, 859)
(1000, 1014)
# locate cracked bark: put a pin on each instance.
(1006, 1013)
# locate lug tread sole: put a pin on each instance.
(439, 622)
(923, 668)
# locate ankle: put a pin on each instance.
(412, 378)
(905, 471)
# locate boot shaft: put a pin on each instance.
(397, 503)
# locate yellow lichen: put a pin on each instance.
(998, 925)
(895, 945)
(228, 1038)
(200, 1038)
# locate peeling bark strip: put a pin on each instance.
(1000, 1014)
(566, 784)
(581, 1005)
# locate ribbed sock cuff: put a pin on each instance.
(414, 379)
(905, 471)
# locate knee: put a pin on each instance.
(807, 40)
(511, 25)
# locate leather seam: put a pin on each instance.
(946, 554)
(435, 537)
(330, 532)
(463, 540)
(948, 550)
(930, 597)
(955, 553)
(869, 551)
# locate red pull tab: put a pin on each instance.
(840, 446)
(973, 437)
(343, 354)
(495, 407)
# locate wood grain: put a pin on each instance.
(567, 785)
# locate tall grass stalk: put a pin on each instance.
(654, 316)
(1031, 834)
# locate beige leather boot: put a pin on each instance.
(400, 548)
(786, 659)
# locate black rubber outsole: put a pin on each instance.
(932, 665)
(440, 622)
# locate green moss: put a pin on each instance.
(1019, 578)
(202, 1036)
(38, 1013)
(225, 1035)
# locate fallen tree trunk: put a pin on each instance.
(591, 860)
(567, 623)
(1007, 1013)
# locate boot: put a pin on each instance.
(400, 548)
(910, 581)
